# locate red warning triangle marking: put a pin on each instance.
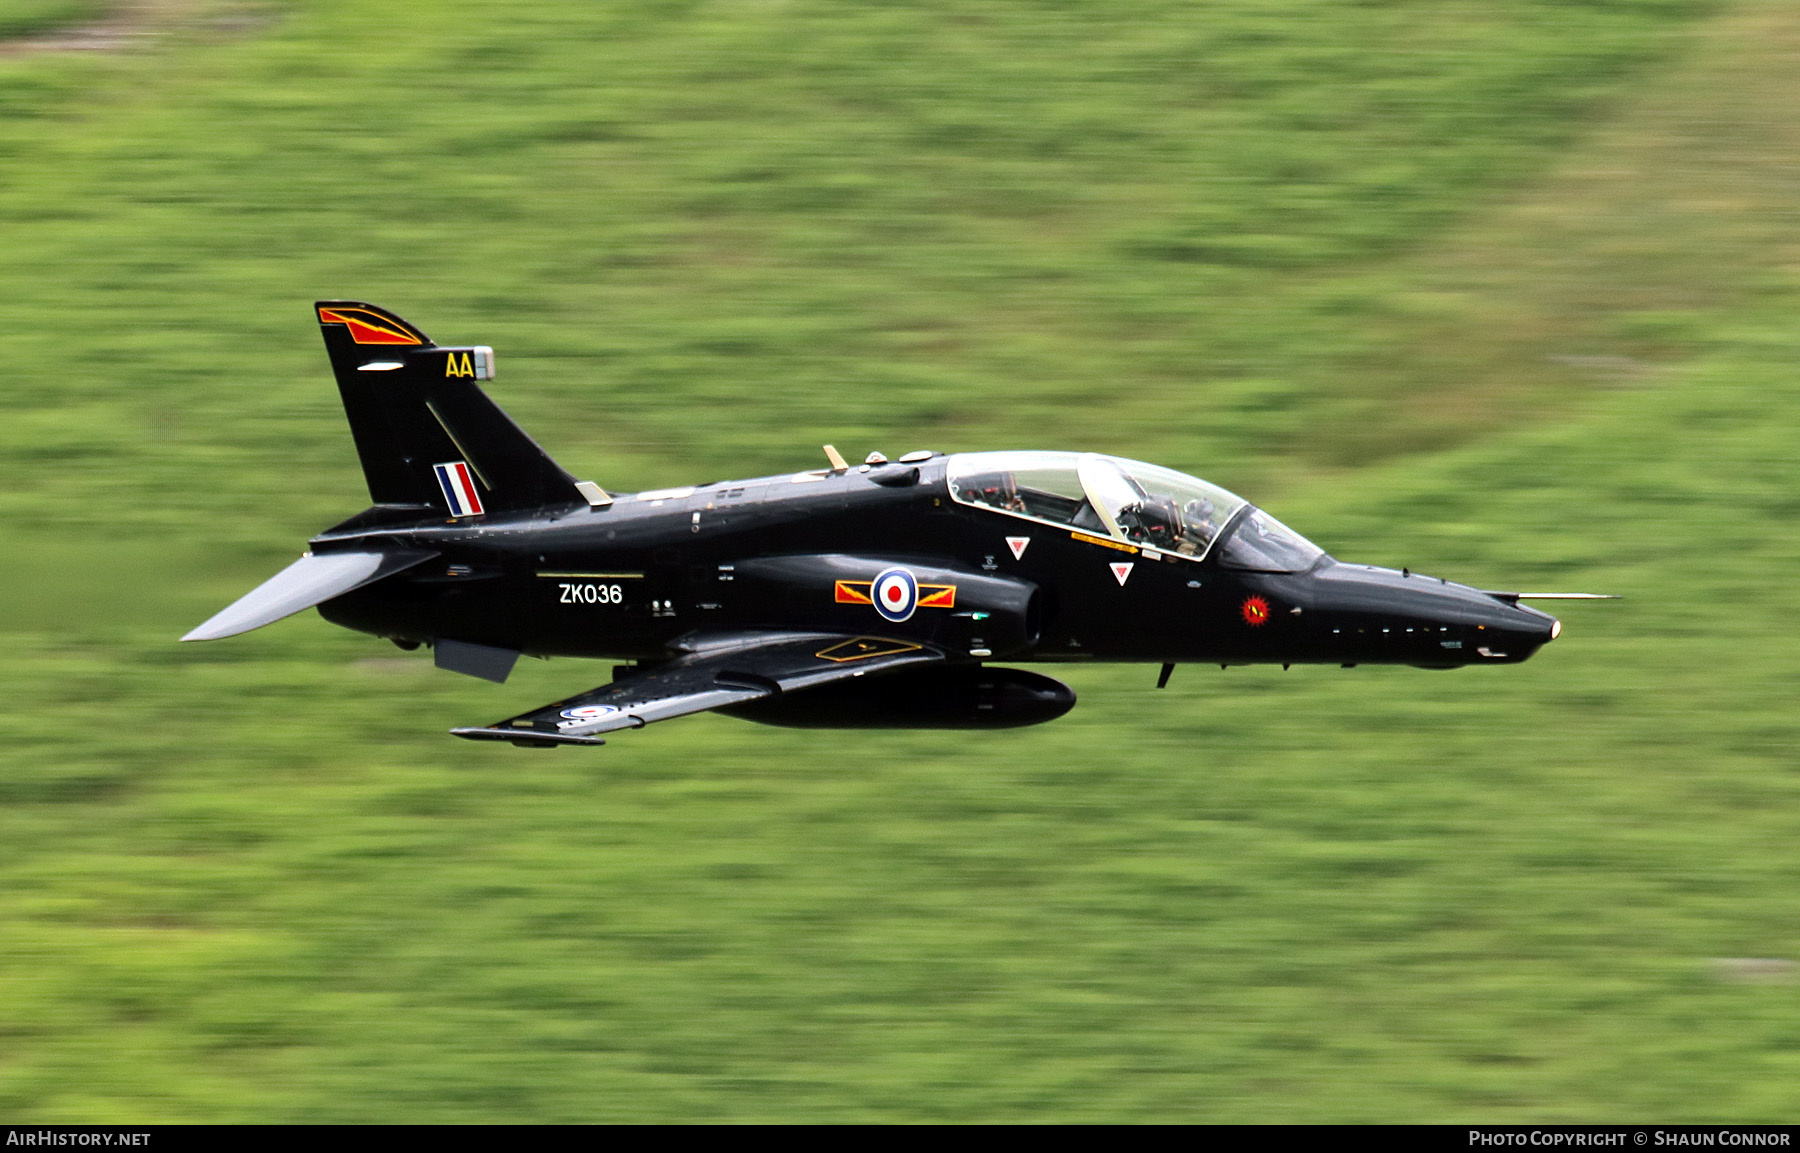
(1121, 571)
(1017, 545)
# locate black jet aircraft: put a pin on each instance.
(874, 595)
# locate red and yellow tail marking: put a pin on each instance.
(369, 327)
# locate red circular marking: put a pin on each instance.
(894, 593)
(1256, 612)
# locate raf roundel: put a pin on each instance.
(590, 712)
(896, 594)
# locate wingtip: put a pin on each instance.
(524, 738)
(210, 630)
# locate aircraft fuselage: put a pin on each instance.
(626, 580)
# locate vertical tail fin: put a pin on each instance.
(426, 433)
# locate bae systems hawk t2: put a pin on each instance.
(869, 596)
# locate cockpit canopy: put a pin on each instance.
(1129, 500)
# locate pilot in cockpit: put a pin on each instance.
(1159, 522)
(997, 490)
(1154, 521)
(1198, 527)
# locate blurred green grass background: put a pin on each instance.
(26, 17)
(1501, 291)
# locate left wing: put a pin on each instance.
(715, 670)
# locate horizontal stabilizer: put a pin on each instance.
(311, 580)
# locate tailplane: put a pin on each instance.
(427, 435)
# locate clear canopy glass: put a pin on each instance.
(1262, 543)
(1105, 495)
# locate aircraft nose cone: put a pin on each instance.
(1519, 631)
(1446, 623)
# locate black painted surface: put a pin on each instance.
(541, 572)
